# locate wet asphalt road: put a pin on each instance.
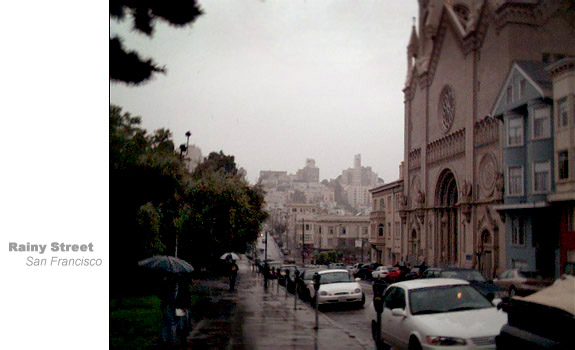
(357, 321)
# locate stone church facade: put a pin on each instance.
(458, 60)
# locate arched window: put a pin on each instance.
(380, 230)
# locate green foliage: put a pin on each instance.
(325, 258)
(134, 322)
(155, 203)
(126, 65)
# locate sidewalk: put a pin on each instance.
(254, 317)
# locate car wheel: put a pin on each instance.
(414, 344)
(512, 292)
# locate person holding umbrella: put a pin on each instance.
(233, 273)
(172, 271)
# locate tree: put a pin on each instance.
(127, 66)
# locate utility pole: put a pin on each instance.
(302, 242)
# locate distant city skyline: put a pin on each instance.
(276, 82)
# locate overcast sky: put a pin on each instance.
(277, 81)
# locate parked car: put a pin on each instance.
(431, 272)
(336, 266)
(414, 273)
(381, 272)
(366, 270)
(337, 287)
(543, 320)
(302, 284)
(476, 279)
(398, 274)
(437, 312)
(518, 282)
(356, 268)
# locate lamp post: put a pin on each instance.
(302, 242)
(188, 134)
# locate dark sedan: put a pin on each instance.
(476, 279)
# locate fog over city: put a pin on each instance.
(276, 82)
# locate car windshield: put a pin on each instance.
(336, 277)
(446, 299)
(528, 274)
(308, 274)
(468, 275)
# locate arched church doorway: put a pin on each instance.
(446, 199)
(486, 255)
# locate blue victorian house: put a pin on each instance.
(525, 107)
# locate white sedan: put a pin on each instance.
(381, 272)
(439, 313)
(337, 286)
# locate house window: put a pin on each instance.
(307, 227)
(343, 230)
(515, 181)
(330, 230)
(380, 230)
(541, 177)
(381, 204)
(389, 230)
(563, 113)
(365, 230)
(374, 204)
(522, 86)
(563, 164)
(509, 94)
(515, 132)
(517, 231)
(330, 242)
(397, 229)
(319, 229)
(542, 123)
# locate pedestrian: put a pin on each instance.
(167, 295)
(183, 304)
(233, 275)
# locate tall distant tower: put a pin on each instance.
(357, 161)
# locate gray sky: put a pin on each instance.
(277, 81)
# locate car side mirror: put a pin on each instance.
(398, 312)
(490, 297)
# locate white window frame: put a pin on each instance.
(562, 102)
(519, 223)
(559, 178)
(509, 194)
(522, 132)
(522, 87)
(547, 165)
(541, 113)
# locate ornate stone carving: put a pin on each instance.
(449, 146)
(420, 198)
(486, 131)
(487, 174)
(499, 185)
(414, 159)
(446, 111)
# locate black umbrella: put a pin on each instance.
(169, 264)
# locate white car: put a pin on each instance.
(439, 313)
(381, 272)
(337, 286)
